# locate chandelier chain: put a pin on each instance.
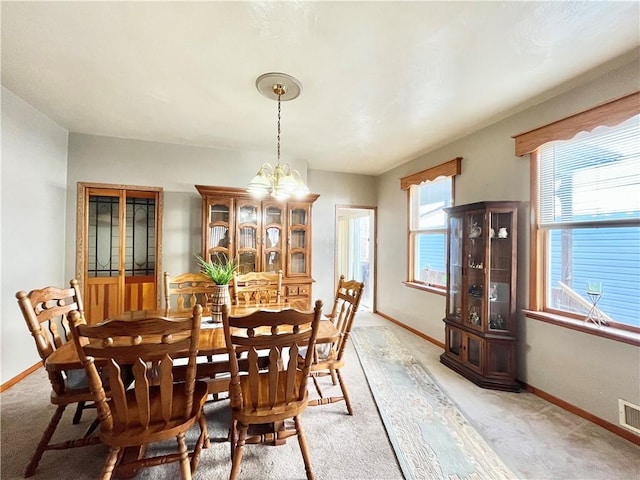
(279, 128)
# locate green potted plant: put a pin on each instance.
(220, 270)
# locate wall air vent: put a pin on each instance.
(629, 415)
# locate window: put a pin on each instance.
(428, 193)
(586, 237)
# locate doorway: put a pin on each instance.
(356, 249)
(119, 237)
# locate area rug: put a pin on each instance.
(431, 437)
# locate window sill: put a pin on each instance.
(604, 331)
(426, 288)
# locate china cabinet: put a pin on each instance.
(260, 235)
(480, 321)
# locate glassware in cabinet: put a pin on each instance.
(500, 274)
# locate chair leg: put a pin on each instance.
(302, 440)
(44, 441)
(78, 415)
(237, 451)
(92, 427)
(333, 377)
(110, 463)
(203, 428)
(185, 465)
(315, 384)
(345, 394)
(233, 436)
(203, 440)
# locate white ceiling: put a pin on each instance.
(382, 81)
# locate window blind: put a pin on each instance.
(595, 177)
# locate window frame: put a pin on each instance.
(445, 170)
(609, 114)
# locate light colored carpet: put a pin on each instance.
(341, 446)
(535, 439)
(430, 435)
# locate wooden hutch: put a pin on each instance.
(260, 235)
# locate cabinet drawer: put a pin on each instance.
(298, 290)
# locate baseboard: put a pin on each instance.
(21, 376)
(621, 432)
(411, 329)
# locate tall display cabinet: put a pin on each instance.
(480, 321)
(260, 235)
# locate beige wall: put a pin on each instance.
(584, 370)
(335, 189)
(177, 168)
(34, 168)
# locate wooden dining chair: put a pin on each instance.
(257, 288)
(156, 408)
(186, 290)
(45, 311)
(267, 394)
(329, 358)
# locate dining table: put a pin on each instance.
(211, 341)
(211, 344)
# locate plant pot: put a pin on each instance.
(219, 297)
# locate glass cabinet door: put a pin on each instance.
(475, 265)
(218, 237)
(473, 349)
(500, 275)
(455, 341)
(298, 263)
(247, 238)
(454, 306)
(272, 237)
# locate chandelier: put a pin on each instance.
(281, 181)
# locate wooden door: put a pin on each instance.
(119, 232)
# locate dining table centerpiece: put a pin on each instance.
(220, 270)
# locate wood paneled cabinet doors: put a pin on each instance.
(480, 321)
(260, 235)
(119, 244)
